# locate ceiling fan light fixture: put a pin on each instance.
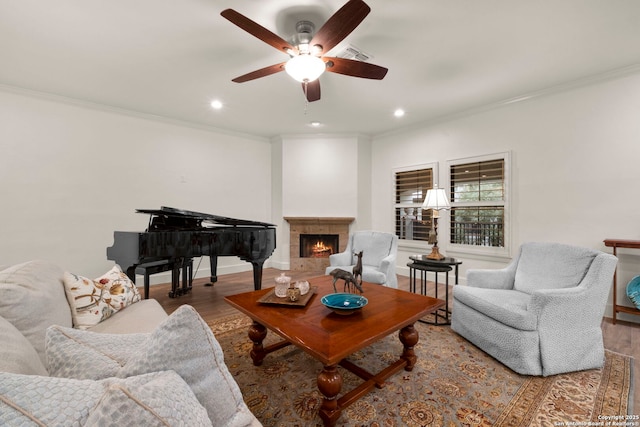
(305, 68)
(303, 48)
(306, 48)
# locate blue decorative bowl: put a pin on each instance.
(344, 303)
(633, 291)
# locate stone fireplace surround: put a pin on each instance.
(315, 225)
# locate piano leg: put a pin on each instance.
(213, 261)
(175, 280)
(257, 271)
(257, 274)
(146, 286)
(187, 275)
(131, 273)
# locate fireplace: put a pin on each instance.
(318, 245)
(316, 258)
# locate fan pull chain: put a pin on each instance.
(306, 98)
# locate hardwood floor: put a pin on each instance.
(623, 337)
(209, 300)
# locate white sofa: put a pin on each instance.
(139, 353)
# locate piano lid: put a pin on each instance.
(200, 217)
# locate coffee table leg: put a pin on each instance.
(257, 334)
(409, 338)
(330, 384)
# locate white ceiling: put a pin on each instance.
(170, 58)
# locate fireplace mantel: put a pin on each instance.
(318, 220)
(315, 225)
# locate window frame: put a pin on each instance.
(404, 243)
(501, 252)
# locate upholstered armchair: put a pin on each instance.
(542, 314)
(379, 252)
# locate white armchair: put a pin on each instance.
(379, 253)
(542, 314)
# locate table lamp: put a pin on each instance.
(436, 200)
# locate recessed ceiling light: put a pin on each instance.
(315, 124)
(216, 104)
(399, 112)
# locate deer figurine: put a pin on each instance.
(357, 270)
(350, 282)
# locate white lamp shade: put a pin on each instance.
(436, 199)
(305, 68)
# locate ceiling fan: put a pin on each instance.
(307, 61)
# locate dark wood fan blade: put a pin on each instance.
(340, 25)
(257, 30)
(353, 68)
(312, 90)
(262, 72)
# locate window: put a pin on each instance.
(411, 185)
(479, 202)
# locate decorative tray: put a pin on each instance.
(271, 298)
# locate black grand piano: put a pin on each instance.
(175, 236)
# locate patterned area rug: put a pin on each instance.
(453, 384)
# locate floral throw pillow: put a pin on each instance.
(93, 300)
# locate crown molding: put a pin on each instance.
(48, 96)
(551, 90)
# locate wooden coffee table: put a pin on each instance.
(331, 337)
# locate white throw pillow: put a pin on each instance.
(183, 343)
(156, 399)
(32, 299)
(93, 300)
(17, 355)
(84, 355)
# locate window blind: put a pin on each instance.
(411, 221)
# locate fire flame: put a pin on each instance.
(320, 246)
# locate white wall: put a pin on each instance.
(280, 257)
(319, 176)
(575, 157)
(71, 174)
